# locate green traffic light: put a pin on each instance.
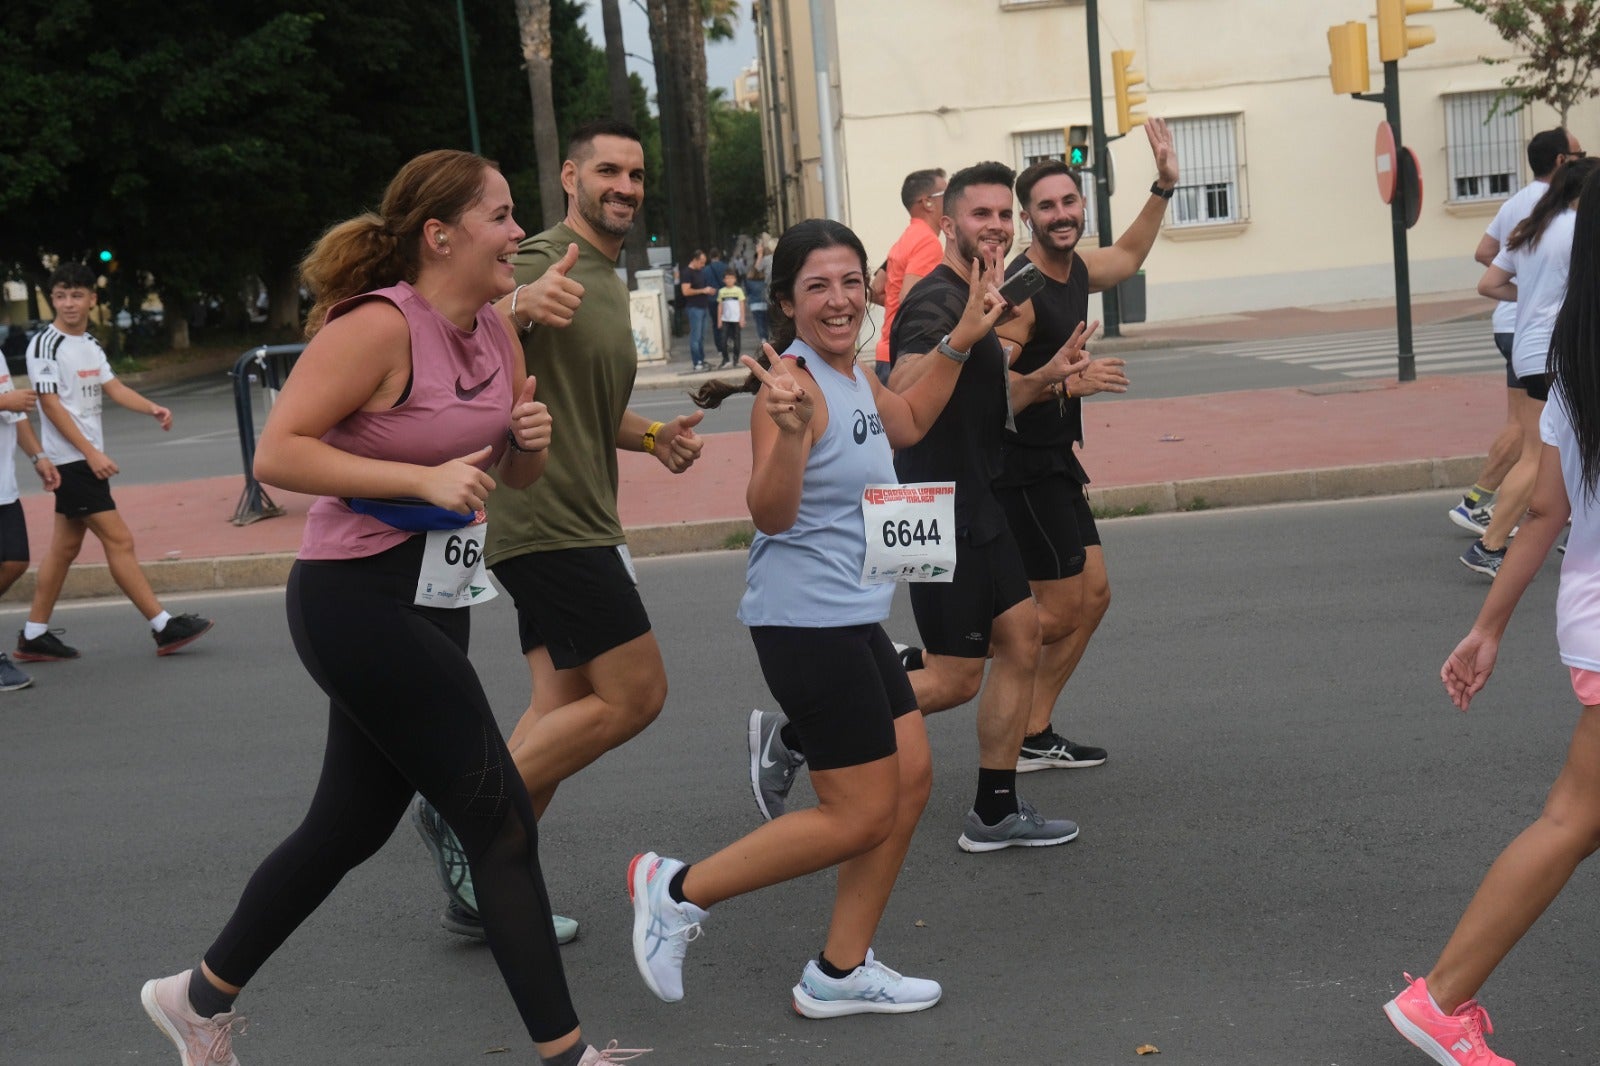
(105, 255)
(1079, 156)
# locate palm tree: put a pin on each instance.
(634, 256)
(720, 18)
(678, 43)
(533, 26)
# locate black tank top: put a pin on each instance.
(1042, 443)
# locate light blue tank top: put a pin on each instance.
(810, 575)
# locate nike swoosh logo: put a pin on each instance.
(472, 393)
(766, 750)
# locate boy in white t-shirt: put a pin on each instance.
(69, 371)
(15, 429)
(730, 318)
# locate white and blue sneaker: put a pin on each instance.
(1472, 519)
(871, 988)
(1483, 560)
(662, 928)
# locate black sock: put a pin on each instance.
(791, 738)
(570, 1057)
(1040, 735)
(675, 886)
(911, 658)
(997, 795)
(833, 971)
(206, 998)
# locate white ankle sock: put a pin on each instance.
(159, 622)
(35, 630)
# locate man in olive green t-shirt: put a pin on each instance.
(557, 546)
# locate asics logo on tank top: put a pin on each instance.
(865, 424)
(465, 394)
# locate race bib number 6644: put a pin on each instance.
(910, 532)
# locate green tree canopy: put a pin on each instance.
(1560, 43)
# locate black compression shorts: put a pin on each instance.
(956, 618)
(1053, 525)
(578, 603)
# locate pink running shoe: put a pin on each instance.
(201, 1041)
(611, 1053)
(1448, 1039)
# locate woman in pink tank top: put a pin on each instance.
(411, 389)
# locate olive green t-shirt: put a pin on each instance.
(585, 372)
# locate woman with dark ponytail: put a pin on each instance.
(1531, 271)
(821, 431)
(1437, 1012)
(411, 388)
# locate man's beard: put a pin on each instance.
(594, 213)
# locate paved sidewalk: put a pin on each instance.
(1193, 452)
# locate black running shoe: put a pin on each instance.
(182, 630)
(1049, 750)
(45, 648)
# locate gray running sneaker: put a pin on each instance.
(1025, 829)
(772, 764)
(11, 678)
(1482, 559)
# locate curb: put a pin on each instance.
(1193, 494)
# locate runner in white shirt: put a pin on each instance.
(1547, 152)
(70, 372)
(1531, 271)
(1439, 1012)
(14, 429)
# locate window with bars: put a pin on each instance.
(1484, 152)
(1052, 144)
(1211, 186)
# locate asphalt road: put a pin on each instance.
(1291, 815)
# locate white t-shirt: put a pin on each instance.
(76, 370)
(1540, 271)
(1578, 601)
(1513, 211)
(9, 493)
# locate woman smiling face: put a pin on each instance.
(830, 300)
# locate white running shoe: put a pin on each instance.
(662, 928)
(871, 988)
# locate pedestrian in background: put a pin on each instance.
(15, 429)
(755, 290)
(1438, 1013)
(696, 298)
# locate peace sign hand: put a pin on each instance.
(984, 307)
(788, 404)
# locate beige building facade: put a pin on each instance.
(1278, 203)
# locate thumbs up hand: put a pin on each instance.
(530, 419)
(677, 444)
(553, 299)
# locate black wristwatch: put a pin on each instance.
(1157, 190)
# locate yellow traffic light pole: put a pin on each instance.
(1348, 46)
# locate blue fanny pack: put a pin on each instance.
(410, 514)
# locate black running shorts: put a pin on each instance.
(844, 713)
(81, 493)
(1053, 525)
(13, 533)
(1503, 342)
(1537, 386)
(955, 618)
(578, 603)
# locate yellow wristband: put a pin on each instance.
(650, 436)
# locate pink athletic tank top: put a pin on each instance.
(459, 400)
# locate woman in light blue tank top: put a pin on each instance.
(821, 431)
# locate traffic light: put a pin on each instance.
(106, 255)
(1126, 77)
(1395, 38)
(1349, 71)
(1078, 146)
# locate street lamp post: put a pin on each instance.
(466, 70)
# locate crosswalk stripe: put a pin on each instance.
(1375, 353)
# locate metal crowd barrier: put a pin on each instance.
(267, 366)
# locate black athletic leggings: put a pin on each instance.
(407, 715)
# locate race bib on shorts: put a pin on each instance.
(910, 531)
(452, 573)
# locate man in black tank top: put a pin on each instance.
(1041, 485)
(987, 608)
